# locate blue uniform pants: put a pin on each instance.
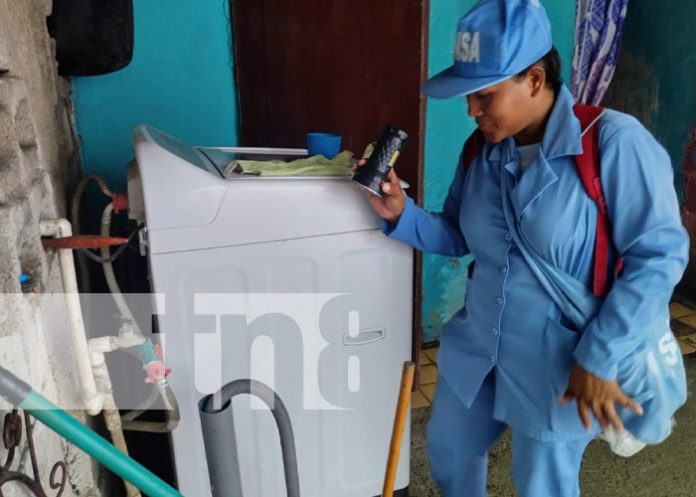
(459, 439)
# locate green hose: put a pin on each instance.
(20, 394)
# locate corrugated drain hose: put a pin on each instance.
(280, 414)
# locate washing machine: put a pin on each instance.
(285, 280)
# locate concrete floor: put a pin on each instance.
(666, 470)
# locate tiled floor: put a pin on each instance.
(683, 325)
(428, 377)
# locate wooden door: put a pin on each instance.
(342, 66)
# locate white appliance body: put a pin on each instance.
(288, 281)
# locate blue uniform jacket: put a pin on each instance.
(508, 320)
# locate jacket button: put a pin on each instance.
(508, 236)
(503, 269)
(494, 331)
(499, 301)
(492, 359)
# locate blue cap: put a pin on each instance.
(496, 40)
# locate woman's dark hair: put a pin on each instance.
(551, 62)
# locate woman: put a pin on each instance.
(511, 356)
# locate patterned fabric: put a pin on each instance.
(598, 25)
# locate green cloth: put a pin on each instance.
(317, 165)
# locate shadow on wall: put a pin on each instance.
(653, 83)
(688, 284)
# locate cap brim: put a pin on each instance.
(448, 85)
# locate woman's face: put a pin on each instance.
(504, 109)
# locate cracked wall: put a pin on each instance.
(37, 161)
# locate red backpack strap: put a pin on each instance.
(588, 166)
(472, 147)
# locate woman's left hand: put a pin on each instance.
(599, 396)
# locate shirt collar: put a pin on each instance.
(563, 134)
(561, 137)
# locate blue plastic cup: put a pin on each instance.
(325, 144)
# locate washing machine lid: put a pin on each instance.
(191, 203)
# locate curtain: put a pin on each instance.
(598, 25)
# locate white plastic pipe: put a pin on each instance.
(91, 397)
(90, 364)
(109, 274)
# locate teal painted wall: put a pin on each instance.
(447, 126)
(664, 100)
(180, 80)
(654, 81)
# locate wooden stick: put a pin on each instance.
(400, 416)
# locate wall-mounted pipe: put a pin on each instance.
(83, 242)
(91, 368)
(90, 395)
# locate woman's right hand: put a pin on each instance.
(393, 200)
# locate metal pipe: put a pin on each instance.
(83, 242)
(91, 397)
